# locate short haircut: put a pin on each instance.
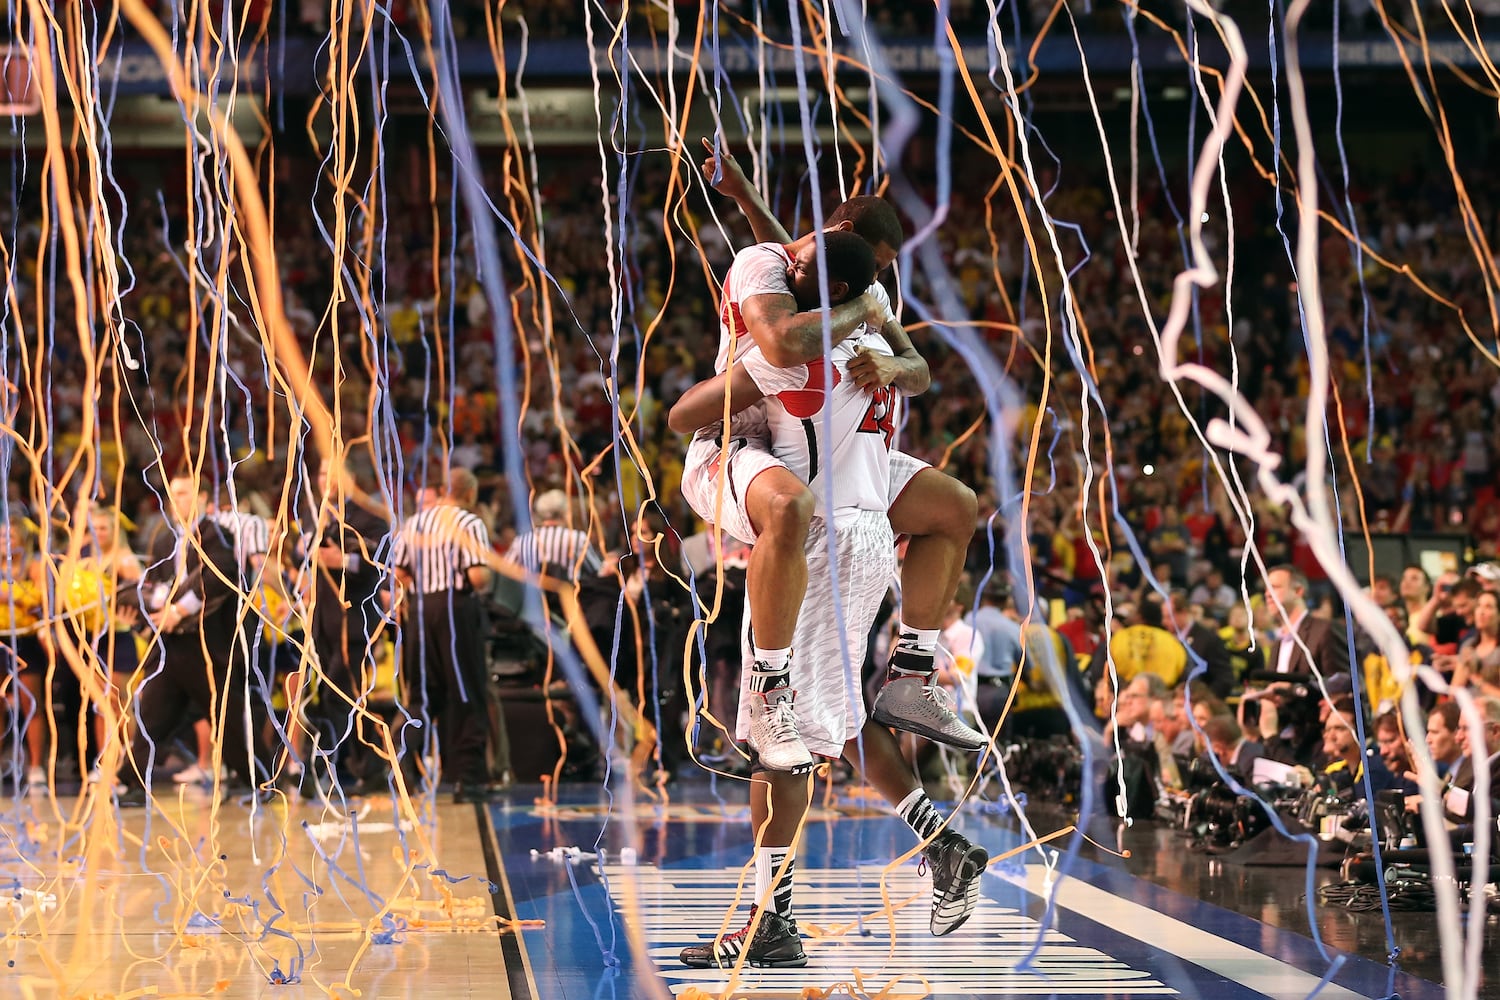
(1490, 709)
(1343, 704)
(1469, 587)
(462, 483)
(964, 595)
(1448, 712)
(1150, 611)
(1222, 728)
(1383, 578)
(997, 590)
(1299, 578)
(875, 221)
(1388, 722)
(550, 506)
(1156, 688)
(1216, 706)
(850, 260)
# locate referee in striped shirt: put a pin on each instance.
(439, 557)
(551, 547)
(250, 534)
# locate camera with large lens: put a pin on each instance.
(1050, 770)
(1220, 820)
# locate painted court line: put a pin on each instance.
(677, 907)
(1252, 969)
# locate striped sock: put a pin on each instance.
(913, 652)
(767, 863)
(772, 669)
(918, 812)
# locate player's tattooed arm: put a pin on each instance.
(907, 370)
(704, 403)
(789, 338)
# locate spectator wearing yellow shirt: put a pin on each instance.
(1145, 647)
(1238, 638)
(1381, 687)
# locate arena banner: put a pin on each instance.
(293, 65)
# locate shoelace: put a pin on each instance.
(938, 696)
(783, 723)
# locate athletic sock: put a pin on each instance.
(767, 863)
(914, 652)
(772, 669)
(918, 812)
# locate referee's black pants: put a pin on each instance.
(444, 662)
(342, 642)
(199, 675)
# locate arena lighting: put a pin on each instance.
(1148, 469)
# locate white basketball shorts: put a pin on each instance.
(748, 456)
(828, 653)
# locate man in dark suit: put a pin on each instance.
(1289, 721)
(1204, 643)
(346, 577)
(1304, 640)
(189, 592)
(1458, 794)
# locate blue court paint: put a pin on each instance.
(1116, 936)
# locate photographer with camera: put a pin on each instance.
(1449, 614)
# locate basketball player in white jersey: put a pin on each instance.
(753, 497)
(812, 411)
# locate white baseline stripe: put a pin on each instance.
(1252, 969)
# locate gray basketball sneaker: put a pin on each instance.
(914, 704)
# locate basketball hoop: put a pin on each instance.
(19, 93)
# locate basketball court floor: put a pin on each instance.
(537, 898)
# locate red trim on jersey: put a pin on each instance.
(808, 401)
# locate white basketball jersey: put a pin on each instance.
(757, 270)
(760, 270)
(855, 442)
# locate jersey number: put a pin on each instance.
(880, 418)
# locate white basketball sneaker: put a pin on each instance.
(773, 731)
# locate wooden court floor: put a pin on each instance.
(292, 900)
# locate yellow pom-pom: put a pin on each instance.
(19, 607)
(85, 598)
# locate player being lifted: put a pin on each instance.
(765, 503)
(830, 721)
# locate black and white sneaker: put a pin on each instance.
(776, 945)
(957, 868)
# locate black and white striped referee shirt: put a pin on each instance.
(557, 549)
(249, 532)
(438, 545)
